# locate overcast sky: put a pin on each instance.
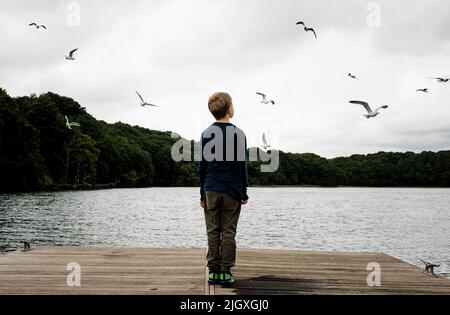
(178, 52)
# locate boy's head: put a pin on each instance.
(221, 105)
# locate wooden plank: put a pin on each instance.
(272, 272)
(104, 271)
(183, 271)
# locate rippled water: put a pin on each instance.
(406, 223)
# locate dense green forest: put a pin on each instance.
(38, 151)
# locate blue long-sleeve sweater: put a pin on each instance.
(223, 167)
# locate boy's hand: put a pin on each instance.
(244, 202)
(202, 204)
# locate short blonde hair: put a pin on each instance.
(219, 103)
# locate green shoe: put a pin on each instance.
(226, 279)
(214, 278)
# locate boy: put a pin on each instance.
(223, 187)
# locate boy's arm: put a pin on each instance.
(244, 172)
(202, 167)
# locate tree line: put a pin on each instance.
(38, 151)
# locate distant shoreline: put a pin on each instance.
(61, 188)
(314, 186)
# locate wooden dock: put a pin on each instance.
(44, 270)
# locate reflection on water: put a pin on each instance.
(407, 223)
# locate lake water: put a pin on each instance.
(406, 223)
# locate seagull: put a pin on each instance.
(441, 80)
(69, 125)
(353, 76)
(429, 267)
(307, 29)
(265, 145)
(371, 113)
(264, 99)
(37, 26)
(144, 103)
(310, 29)
(71, 57)
(423, 90)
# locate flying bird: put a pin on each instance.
(266, 144)
(69, 125)
(307, 29)
(371, 113)
(423, 90)
(71, 57)
(441, 80)
(37, 26)
(264, 99)
(310, 29)
(144, 103)
(353, 76)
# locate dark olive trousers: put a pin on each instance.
(222, 216)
